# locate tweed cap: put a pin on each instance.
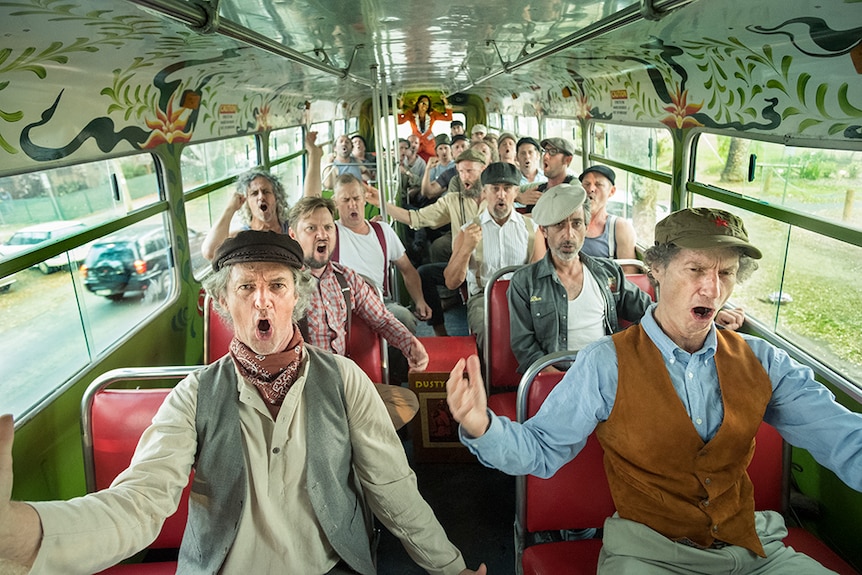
(255, 246)
(704, 228)
(561, 144)
(507, 136)
(442, 140)
(501, 173)
(603, 170)
(479, 128)
(558, 203)
(471, 155)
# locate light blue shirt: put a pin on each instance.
(802, 410)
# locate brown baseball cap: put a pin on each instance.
(704, 228)
(258, 246)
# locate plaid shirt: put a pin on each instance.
(327, 313)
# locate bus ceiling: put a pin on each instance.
(89, 80)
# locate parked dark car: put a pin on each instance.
(132, 261)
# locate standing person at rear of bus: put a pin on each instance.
(286, 441)
(421, 119)
(342, 161)
(529, 154)
(607, 236)
(369, 248)
(568, 299)
(262, 205)
(676, 405)
(456, 128)
(506, 148)
(496, 238)
(557, 154)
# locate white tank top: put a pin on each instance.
(586, 314)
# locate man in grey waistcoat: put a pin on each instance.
(291, 447)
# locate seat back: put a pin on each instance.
(369, 350)
(553, 503)
(640, 279)
(500, 363)
(112, 422)
(217, 333)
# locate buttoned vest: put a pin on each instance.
(660, 471)
(219, 485)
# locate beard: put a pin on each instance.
(315, 264)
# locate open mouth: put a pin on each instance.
(321, 248)
(264, 207)
(263, 326)
(701, 312)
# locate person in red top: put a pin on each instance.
(421, 118)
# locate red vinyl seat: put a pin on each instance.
(445, 351)
(113, 421)
(553, 504)
(501, 367)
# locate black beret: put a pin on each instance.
(254, 246)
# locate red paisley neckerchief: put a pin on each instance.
(271, 374)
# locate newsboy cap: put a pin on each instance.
(558, 203)
(441, 140)
(471, 155)
(479, 128)
(256, 246)
(501, 173)
(703, 228)
(603, 170)
(561, 144)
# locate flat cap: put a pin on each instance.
(501, 173)
(603, 170)
(479, 128)
(528, 140)
(507, 136)
(442, 140)
(561, 144)
(704, 228)
(471, 155)
(254, 246)
(558, 203)
(456, 123)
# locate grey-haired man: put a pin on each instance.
(676, 404)
(286, 440)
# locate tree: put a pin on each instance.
(736, 165)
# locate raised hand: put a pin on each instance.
(466, 396)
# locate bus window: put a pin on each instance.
(642, 200)
(213, 161)
(528, 126)
(208, 172)
(54, 325)
(508, 123)
(495, 122)
(284, 142)
(92, 193)
(647, 148)
(567, 128)
(805, 288)
(637, 154)
(820, 183)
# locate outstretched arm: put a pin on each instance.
(397, 213)
(20, 526)
(466, 397)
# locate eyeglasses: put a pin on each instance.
(551, 151)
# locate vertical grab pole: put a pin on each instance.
(379, 139)
(394, 181)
